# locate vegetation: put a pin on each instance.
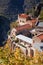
(16, 57)
(13, 24)
(41, 15)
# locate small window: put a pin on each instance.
(31, 52)
(20, 20)
(36, 34)
(26, 52)
(29, 18)
(11, 37)
(23, 21)
(41, 47)
(41, 40)
(25, 43)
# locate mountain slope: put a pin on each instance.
(11, 8)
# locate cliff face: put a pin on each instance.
(28, 4)
(4, 28)
(11, 8)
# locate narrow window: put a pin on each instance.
(26, 52)
(41, 40)
(31, 53)
(20, 20)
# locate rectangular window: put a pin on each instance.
(20, 20)
(23, 21)
(41, 40)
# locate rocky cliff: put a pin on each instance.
(11, 8)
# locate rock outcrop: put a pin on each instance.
(11, 8)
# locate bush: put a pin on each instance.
(13, 25)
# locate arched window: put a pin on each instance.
(31, 53)
(26, 52)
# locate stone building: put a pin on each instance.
(26, 19)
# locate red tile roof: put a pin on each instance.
(40, 36)
(23, 27)
(23, 15)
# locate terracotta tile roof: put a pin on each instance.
(26, 26)
(23, 15)
(40, 36)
